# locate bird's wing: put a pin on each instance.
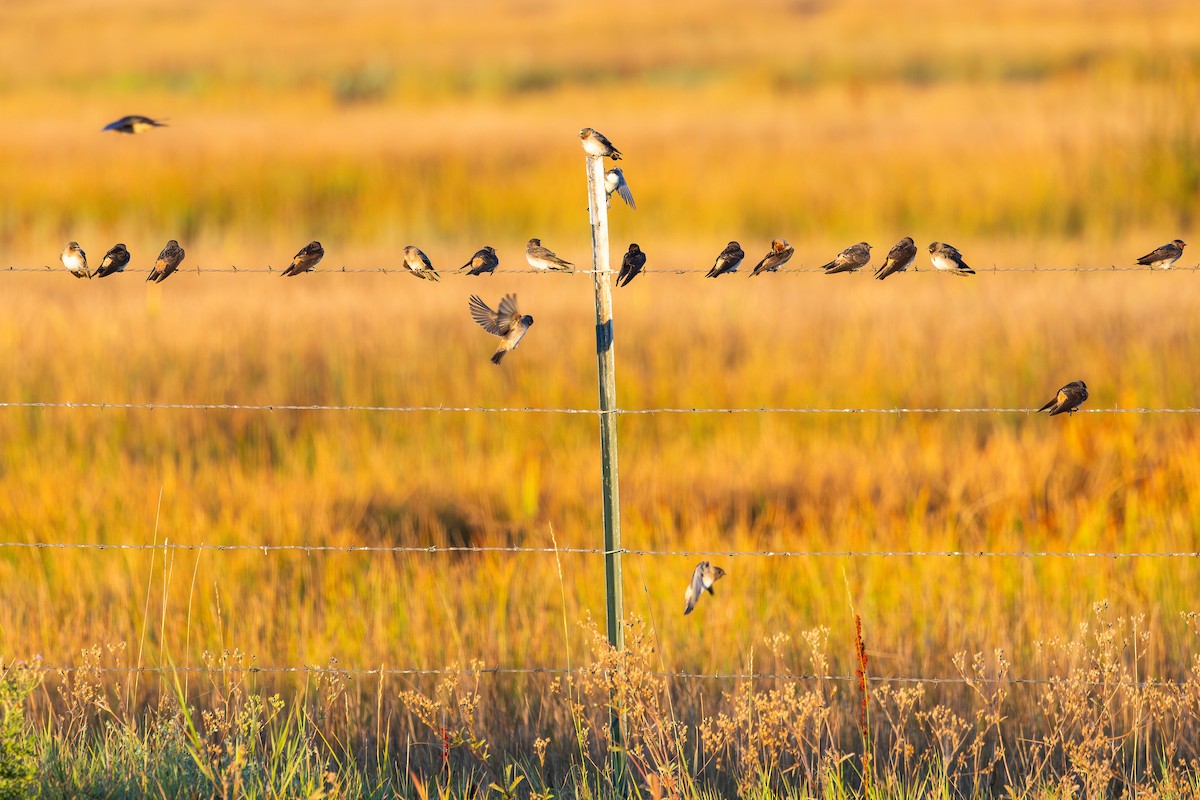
(626, 195)
(693, 590)
(508, 315)
(484, 316)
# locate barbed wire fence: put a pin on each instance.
(453, 272)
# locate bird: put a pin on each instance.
(631, 265)
(596, 143)
(703, 578)
(780, 253)
(614, 181)
(729, 260)
(114, 261)
(507, 323)
(852, 259)
(134, 123)
(544, 258)
(307, 258)
(947, 258)
(1068, 399)
(418, 263)
(484, 260)
(1165, 256)
(899, 258)
(75, 260)
(168, 261)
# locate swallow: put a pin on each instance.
(484, 260)
(1165, 256)
(596, 144)
(780, 253)
(947, 258)
(544, 258)
(168, 261)
(631, 265)
(75, 260)
(418, 264)
(308, 257)
(507, 323)
(729, 260)
(852, 259)
(135, 123)
(114, 261)
(614, 181)
(1068, 399)
(899, 258)
(703, 578)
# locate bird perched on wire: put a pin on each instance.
(544, 258)
(75, 260)
(946, 258)
(134, 123)
(114, 261)
(1068, 399)
(852, 259)
(631, 265)
(168, 261)
(307, 258)
(728, 261)
(781, 253)
(703, 578)
(484, 260)
(507, 322)
(1165, 256)
(419, 264)
(899, 258)
(614, 181)
(596, 143)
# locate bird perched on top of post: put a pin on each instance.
(596, 144)
(134, 123)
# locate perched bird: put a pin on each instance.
(135, 123)
(507, 323)
(703, 578)
(899, 258)
(544, 258)
(729, 260)
(418, 264)
(306, 259)
(484, 260)
(75, 260)
(631, 265)
(852, 259)
(614, 181)
(780, 253)
(596, 144)
(168, 261)
(114, 261)
(1165, 256)
(1068, 399)
(947, 258)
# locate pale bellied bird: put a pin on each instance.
(544, 258)
(946, 258)
(75, 260)
(614, 181)
(728, 261)
(1165, 256)
(307, 258)
(419, 264)
(134, 123)
(703, 578)
(507, 322)
(596, 143)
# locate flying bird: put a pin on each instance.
(306, 259)
(114, 261)
(419, 264)
(729, 260)
(631, 265)
(780, 253)
(168, 261)
(947, 258)
(703, 578)
(134, 123)
(899, 258)
(544, 258)
(596, 144)
(484, 260)
(1165, 256)
(507, 323)
(1068, 399)
(852, 259)
(75, 260)
(614, 181)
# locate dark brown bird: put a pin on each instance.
(1068, 399)
(306, 259)
(781, 253)
(899, 258)
(168, 261)
(114, 261)
(484, 260)
(1165, 256)
(729, 260)
(507, 323)
(631, 265)
(703, 578)
(852, 259)
(134, 123)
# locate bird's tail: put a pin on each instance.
(152, 277)
(1048, 405)
(964, 270)
(498, 356)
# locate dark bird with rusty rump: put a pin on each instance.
(899, 258)
(781, 253)
(307, 258)
(507, 322)
(114, 261)
(484, 260)
(1068, 399)
(168, 261)
(728, 261)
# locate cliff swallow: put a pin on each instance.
(1068, 399)
(852, 259)
(168, 261)
(703, 578)
(780, 253)
(75, 260)
(306, 259)
(899, 258)
(419, 264)
(947, 258)
(631, 265)
(484, 260)
(114, 261)
(729, 260)
(1165, 256)
(507, 323)
(544, 258)
(595, 144)
(614, 181)
(134, 123)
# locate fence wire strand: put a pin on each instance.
(453, 272)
